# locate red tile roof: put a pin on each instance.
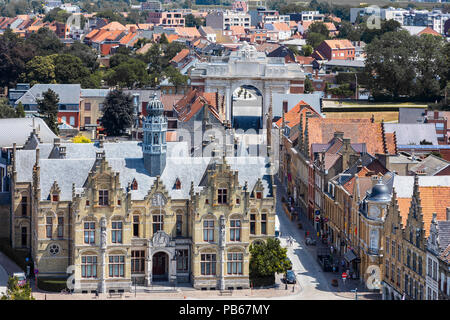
(181, 55)
(292, 117)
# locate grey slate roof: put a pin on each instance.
(18, 130)
(68, 93)
(444, 234)
(410, 115)
(126, 158)
(403, 185)
(412, 133)
(431, 165)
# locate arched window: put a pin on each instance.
(134, 185)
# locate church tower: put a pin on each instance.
(154, 146)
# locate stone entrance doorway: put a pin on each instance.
(160, 268)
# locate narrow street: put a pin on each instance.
(314, 283)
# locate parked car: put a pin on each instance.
(22, 278)
(289, 277)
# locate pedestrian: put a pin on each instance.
(331, 249)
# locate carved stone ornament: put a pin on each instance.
(161, 239)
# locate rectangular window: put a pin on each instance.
(387, 269)
(252, 223)
(87, 106)
(399, 253)
(55, 198)
(24, 237)
(89, 232)
(430, 267)
(208, 264)
(182, 260)
(234, 264)
(103, 197)
(259, 195)
(60, 227)
(235, 230)
(208, 230)
(222, 196)
(179, 224)
(72, 121)
(89, 266)
(87, 120)
(387, 245)
(263, 223)
(399, 277)
(49, 227)
(116, 232)
(158, 221)
(393, 249)
(419, 266)
(137, 261)
(135, 226)
(24, 205)
(393, 273)
(435, 270)
(116, 266)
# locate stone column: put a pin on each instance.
(266, 106)
(222, 242)
(103, 237)
(148, 259)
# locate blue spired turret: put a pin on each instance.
(154, 147)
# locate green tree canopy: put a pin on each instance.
(131, 73)
(191, 21)
(6, 111)
(40, 69)
(318, 27)
(48, 109)
(69, 69)
(45, 41)
(307, 50)
(14, 55)
(16, 292)
(57, 14)
(314, 39)
(87, 55)
(117, 113)
(268, 258)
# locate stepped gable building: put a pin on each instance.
(126, 212)
(417, 205)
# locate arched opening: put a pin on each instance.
(160, 267)
(247, 108)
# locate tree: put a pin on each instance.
(131, 73)
(40, 69)
(16, 292)
(308, 86)
(117, 113)
(69, 69)
(6, 111)
(314, 39)
(45, 41)
(14, 55)
(191, 21)
(268, 258)
(48, 109)
(307, 50)
(81, 139)
(348, 31)
(20, 111)
(57, 14)
(163, 39)
(390, 64)
(342, 91)
(87, 55)
(318, 27)
(175, 77)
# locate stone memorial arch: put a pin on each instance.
(247, 66)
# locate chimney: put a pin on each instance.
(62, 152)
(56, 142)
(339, 134)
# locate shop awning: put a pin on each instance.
(350, 256)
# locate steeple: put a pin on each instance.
(154, 146)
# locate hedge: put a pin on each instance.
(262, 281)
(52, 284)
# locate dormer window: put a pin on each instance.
(134, 185)
(238, 201)
(55, 197)
(259, 195)
(206, 201)
(87, 203)
(177, 184)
